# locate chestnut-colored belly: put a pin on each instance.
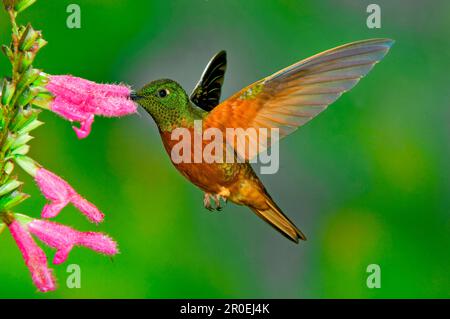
(210, 177)
(234, 181)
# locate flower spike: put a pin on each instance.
(72, 98)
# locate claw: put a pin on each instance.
(207, 202)
(216, 197)
(217, 202)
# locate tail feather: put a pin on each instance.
(275, 217)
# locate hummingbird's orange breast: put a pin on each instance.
(212, 178)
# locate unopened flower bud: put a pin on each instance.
(28, 38)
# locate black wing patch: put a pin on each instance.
(207, 91)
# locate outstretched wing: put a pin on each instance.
(207, 91)
(293, 96)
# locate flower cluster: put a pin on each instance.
(72, 98)
(55, 235)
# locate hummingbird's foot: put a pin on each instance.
(207, 201)
(217, 198)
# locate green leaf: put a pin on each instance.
(29, 76)
(40, 43)
(28, 38)
(7, 92)
(26, 97)
(9, 186)
(42, 80)
(27, 60)
(21, 5)
(21, 150)
(8, 142)
(43, 100)
(27, 164)
(24, 117)
(21, 140)
(9, 167)
(13, 199)
(30, 125)
(8, 52)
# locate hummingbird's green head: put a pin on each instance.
(166, 101)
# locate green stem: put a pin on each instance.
(10, 110)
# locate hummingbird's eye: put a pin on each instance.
(163, 92)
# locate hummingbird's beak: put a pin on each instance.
(134, 96)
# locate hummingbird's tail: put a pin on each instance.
(275, 217)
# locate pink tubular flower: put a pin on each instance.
(60, 193)
(58, 236)
(78, 100)
(64, 238)
(35, 258)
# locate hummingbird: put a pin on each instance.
(284, 100)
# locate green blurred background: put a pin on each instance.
(368, 181)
